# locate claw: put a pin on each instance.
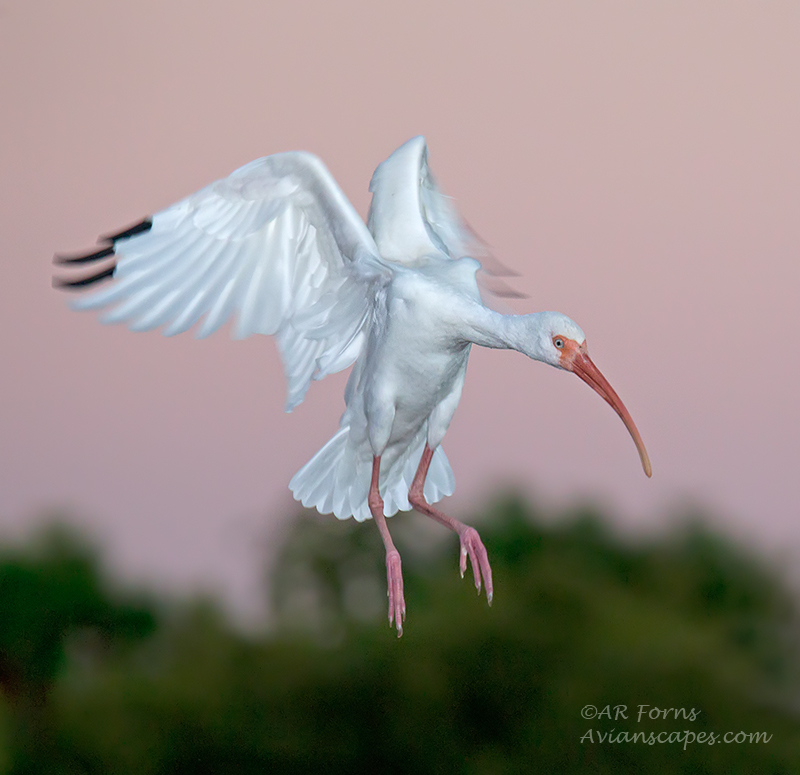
(394, 583)
(472, 545)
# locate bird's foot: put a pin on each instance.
(472, 546)
(394, 581)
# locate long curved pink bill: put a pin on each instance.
(591, 375)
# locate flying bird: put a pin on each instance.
(278, 245)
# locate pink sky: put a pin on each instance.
(638, 163)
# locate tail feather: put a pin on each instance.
(440, 481)
(337, 478)
(317, 477)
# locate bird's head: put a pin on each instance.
(562, 343)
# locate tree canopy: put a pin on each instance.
(683, 633)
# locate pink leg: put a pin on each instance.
(394, 571)
(471, 543)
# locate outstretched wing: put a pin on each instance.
(277, 244)
(411, 219)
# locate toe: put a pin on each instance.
(394, 581)
(479, 559)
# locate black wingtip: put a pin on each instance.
(84, 259)
(84, 281)
(131, 231)
(106, 252)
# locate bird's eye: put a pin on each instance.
(558, 342)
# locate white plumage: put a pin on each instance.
(278, 246)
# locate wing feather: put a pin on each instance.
(410, 218)
(276, 244)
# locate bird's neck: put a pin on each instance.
(506, 332)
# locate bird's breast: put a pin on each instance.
(418, 355)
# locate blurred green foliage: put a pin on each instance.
(95, 680)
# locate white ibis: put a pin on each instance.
(279, 246)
